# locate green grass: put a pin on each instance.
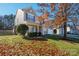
(13, 39)
(73, 48)
(69, 46)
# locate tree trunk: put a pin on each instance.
(65, 30)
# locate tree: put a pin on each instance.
(1, 24)
(61, 16)
(63, 9)
(9, 21)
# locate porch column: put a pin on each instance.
(30, 28)
(34, 28)
(38, 29)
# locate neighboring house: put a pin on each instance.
(28, 17)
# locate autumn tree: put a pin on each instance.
(44, 13)
(63, 8)
(62, 15)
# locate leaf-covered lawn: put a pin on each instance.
(16, 45)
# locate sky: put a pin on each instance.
(11, 8)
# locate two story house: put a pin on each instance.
(28, 17)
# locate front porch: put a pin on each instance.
(33, 27)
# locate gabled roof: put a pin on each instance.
(29, 10)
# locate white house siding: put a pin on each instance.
(44, 30)
(50, 31)
(68, 29)
(19, 17)
(60, 31)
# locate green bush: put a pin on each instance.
(34, 34)
(22, 29)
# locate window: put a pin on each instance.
(30, 17)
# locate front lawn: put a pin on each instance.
(16, 45)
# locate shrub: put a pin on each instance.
(39, 33)
(34, 34)
(22, 29)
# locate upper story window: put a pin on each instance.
(30, 17)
